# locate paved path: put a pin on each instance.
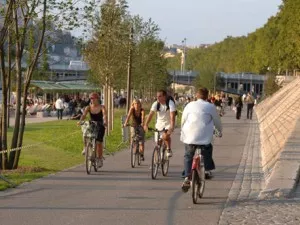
(122, 195)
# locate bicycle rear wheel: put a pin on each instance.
(201, 180)
(164, 162)
(155, 162)
(88, 158)
(195, 186)
(132, 154)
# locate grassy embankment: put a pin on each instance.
(57, 145)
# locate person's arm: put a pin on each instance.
(143, 117)
(128, 117)
(104, 115)
(148, 120)
(172, 115)
(216, 119)
(149, 117)
(85, 112)
(184, 115)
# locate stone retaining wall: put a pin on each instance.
(277, 117)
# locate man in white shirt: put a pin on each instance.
(165, 109)
(59, 106)
(197, 127)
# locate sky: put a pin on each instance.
(204, 21)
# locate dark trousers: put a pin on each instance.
(59, 113)
(206, 152)
(250, 110)
(238, 112)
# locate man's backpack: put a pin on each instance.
(167, 103)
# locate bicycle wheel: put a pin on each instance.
(132, 154)
(195, 186)
(155, 162)
(94, 156)
(164, 162)
(138, 154)
(88, 158)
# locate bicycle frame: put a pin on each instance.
(197, 160)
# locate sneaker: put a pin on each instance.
(208, 175)
(186, 185)
(169, 153)
(100, 162)
(83, 151)
(183, 174)
(142, 157)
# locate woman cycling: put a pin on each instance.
(98, 114)
(138, 117)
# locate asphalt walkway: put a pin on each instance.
(119, 194)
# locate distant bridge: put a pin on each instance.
(238, 83)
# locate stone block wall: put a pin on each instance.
(277, 117)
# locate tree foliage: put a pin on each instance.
(274, 46)
(118, 34)
(21, 44)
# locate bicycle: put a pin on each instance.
(159, 156)
(135, 154)
(198, 171)
(89, 130)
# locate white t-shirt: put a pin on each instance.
(163, 116)
(59, 104)
(198, 121)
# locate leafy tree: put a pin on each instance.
(15, 36)
(270, 85)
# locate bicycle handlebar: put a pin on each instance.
(156, 130)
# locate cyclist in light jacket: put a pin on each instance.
(197, 127)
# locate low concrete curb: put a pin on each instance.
(286, 172)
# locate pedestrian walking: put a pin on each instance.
(238, 105)
(250, 104)
(59, 106)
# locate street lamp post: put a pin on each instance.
(183, 63)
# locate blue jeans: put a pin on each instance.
(206, 152)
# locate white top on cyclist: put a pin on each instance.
(198, 121)
(163, 116)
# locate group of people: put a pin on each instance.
(199, 119)
(249, 100)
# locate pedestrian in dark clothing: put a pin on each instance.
(239, 106)
(250, 104)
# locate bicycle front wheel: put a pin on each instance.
(88, 158)
(132, 154)
(138, 156)
(94, 156)
(165, 162)
(155, 162)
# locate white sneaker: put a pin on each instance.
(186, 185)
(169, 153)
(83, 151)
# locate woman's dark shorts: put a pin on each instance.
(101, 132)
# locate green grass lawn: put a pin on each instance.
(57, 145)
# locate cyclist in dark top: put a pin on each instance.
(97, 113)
(138, 116)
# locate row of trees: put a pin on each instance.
(273, 48)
